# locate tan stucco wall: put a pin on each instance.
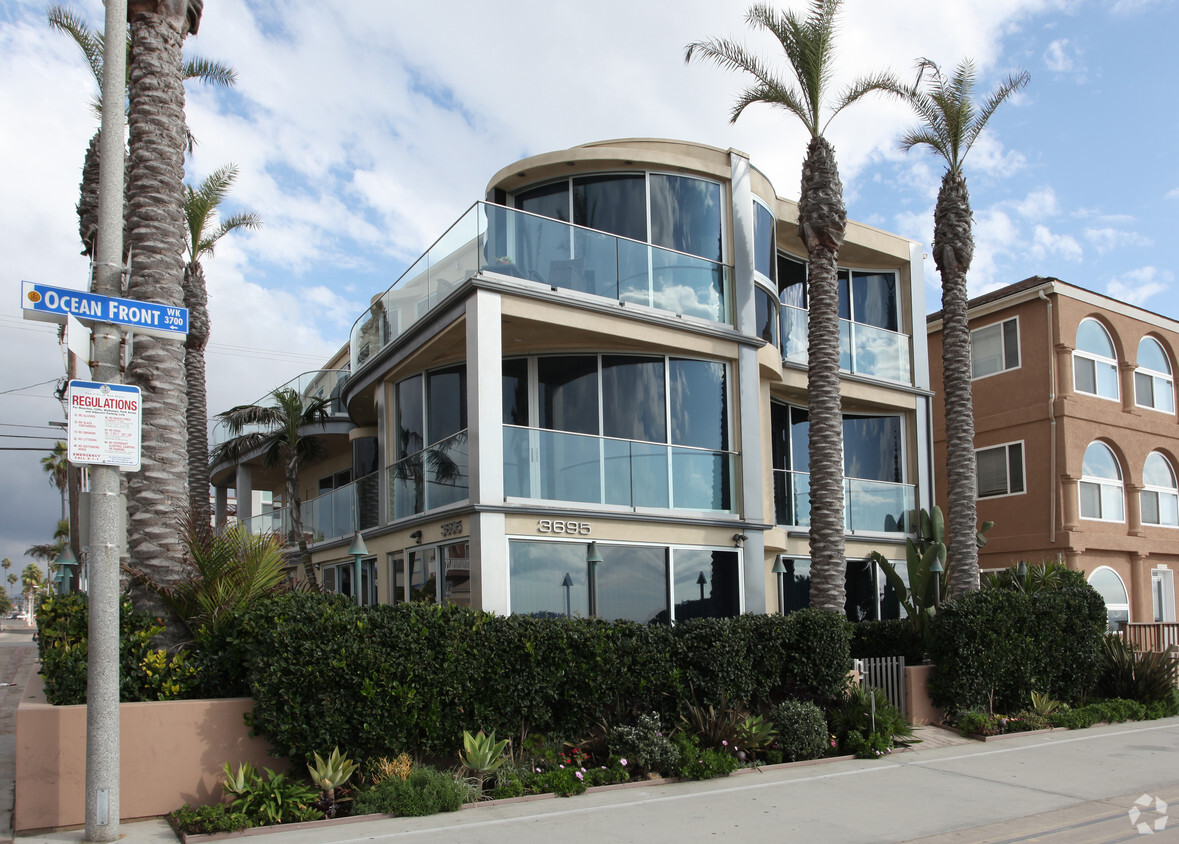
(171, 753)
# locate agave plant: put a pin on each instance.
(328, 776)
(482, 754)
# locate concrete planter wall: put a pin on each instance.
(171, 753)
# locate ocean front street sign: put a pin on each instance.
(52, 304)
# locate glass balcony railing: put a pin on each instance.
(334, 514)
(431, 478)
(558, 466)
(319, 383)
(863, 349)
(492, 238)
(872, 506)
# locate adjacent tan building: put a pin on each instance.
(1077, 438)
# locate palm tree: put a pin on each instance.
(951, 121)
(155, 235)
(90, 41)
(57, 466)
(277, 432)
(203, 232)
(808, 45)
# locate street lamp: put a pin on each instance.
(1021, 571)
(592, 557)
(568, 584)
(780, 570)
(936, 570)
(65, 565)
(358, 551)
(702, 581)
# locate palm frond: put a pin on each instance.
(209, 71)
(89, 40)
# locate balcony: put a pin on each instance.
(863, 349)
(557, 466)
(431, 478)
(319, 383)
(1155, 637)
(333, 515)
(559, 255)
(868, 506)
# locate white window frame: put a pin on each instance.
(1023, 475)
(1007, 365)
(1155, 376)
(1172, 494)
(1096, 361)
(1162, 594)
(1102, 484)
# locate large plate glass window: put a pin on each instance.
(1000, 470)
(765, 272)
(1160, 493)
(1101, 485)
(1095, 364)
(628, 430)
(430, 419)
(994, 348)
(1154, 384)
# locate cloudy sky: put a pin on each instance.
(363, 128)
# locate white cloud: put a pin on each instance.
(1063, 57)
(1136, 286)
(1046, 243)
(1173, 194)
(1107, 238)
(1040, 204)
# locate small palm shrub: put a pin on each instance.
(425, 792)
(271, 798)
(858, 714)
(802, 730)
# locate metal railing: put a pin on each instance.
(317, 383)
(872, 506)
(863, 349)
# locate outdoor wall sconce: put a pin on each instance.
(416, 536)
(738, 538)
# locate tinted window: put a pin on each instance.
(699, 404)
(568, 393)
(633, 398)
(686, 215)
(614, 204)
(410, 423)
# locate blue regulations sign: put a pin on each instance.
(51, 304)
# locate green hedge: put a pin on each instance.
(385, 679)
(993, 648)
(891, 637)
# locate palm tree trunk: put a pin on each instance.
(953, 249)
(197, 301)
(822, 219)
(158, 492)
(297, 520)
(88, 198)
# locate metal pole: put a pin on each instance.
(102, 699)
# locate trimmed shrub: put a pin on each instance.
(386, 679)
(802, 730)
(891, 637)
(993, 648)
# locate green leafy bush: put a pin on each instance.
(208, 820)
(891, 637)
(426, 792)
(269, 798)
(644, 745)
(1025, 721)
(870, 746)
(1163, 708)
(423, 674)
(974, 722)
(802, 730)
(145, 671)
(868, 712)
(702, 763)
(992, 648)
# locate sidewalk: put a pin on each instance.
(1064, 787)
(18, 661)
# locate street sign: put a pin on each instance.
(104, 424)
(52, 304)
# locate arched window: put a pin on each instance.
(1111, 589)
(1160, 493)
(1154, 386)
(1101, 485)
(1095, 364)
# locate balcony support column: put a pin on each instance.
(489, 563)
(244, 488)
(220, 506)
